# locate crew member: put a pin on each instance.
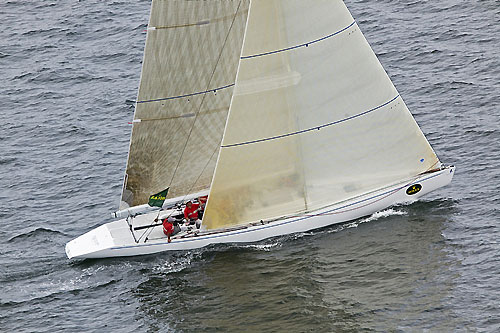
(170, 228)
(203, 202)
(191, 214)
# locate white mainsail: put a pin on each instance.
(190, 63)
(314, 118)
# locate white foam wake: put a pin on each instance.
(383, 213)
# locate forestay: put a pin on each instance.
(314, 118)
(190, 63)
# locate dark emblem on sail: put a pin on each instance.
(413, 189)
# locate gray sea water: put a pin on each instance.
(69, 72)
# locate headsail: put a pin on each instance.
(190, 63)
(314, 118)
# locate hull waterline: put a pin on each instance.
(115, 239)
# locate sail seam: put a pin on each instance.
(186, 95)
(300, 45)
(316, 128)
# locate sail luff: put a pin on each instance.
(354, 132)
(231, 102)
(125, 197)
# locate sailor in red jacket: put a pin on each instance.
(191, 214)
(191, 211)
(168, 228)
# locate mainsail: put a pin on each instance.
(190, 63)
(314, 118)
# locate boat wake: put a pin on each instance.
(375, 216)
(175, 264)
(263, 247)
(382, 214)
(270, 244)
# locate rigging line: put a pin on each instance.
(189, 191)
(300, 45)
(150, 227)
(145, 231)
(203, 170)
(203, 100)
(316, 128)
(149, 230)
(186, 95)
(192, 186)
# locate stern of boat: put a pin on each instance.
(97, 243)
(94, 241)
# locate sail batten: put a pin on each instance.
(212, 90)
(306, 44)
(309, 126)
(315, 128)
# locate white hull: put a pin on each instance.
(115, 239)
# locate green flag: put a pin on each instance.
(158, 198)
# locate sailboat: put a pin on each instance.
(278, 110)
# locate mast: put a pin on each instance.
(351, 132)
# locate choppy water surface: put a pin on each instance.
(69, 71)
